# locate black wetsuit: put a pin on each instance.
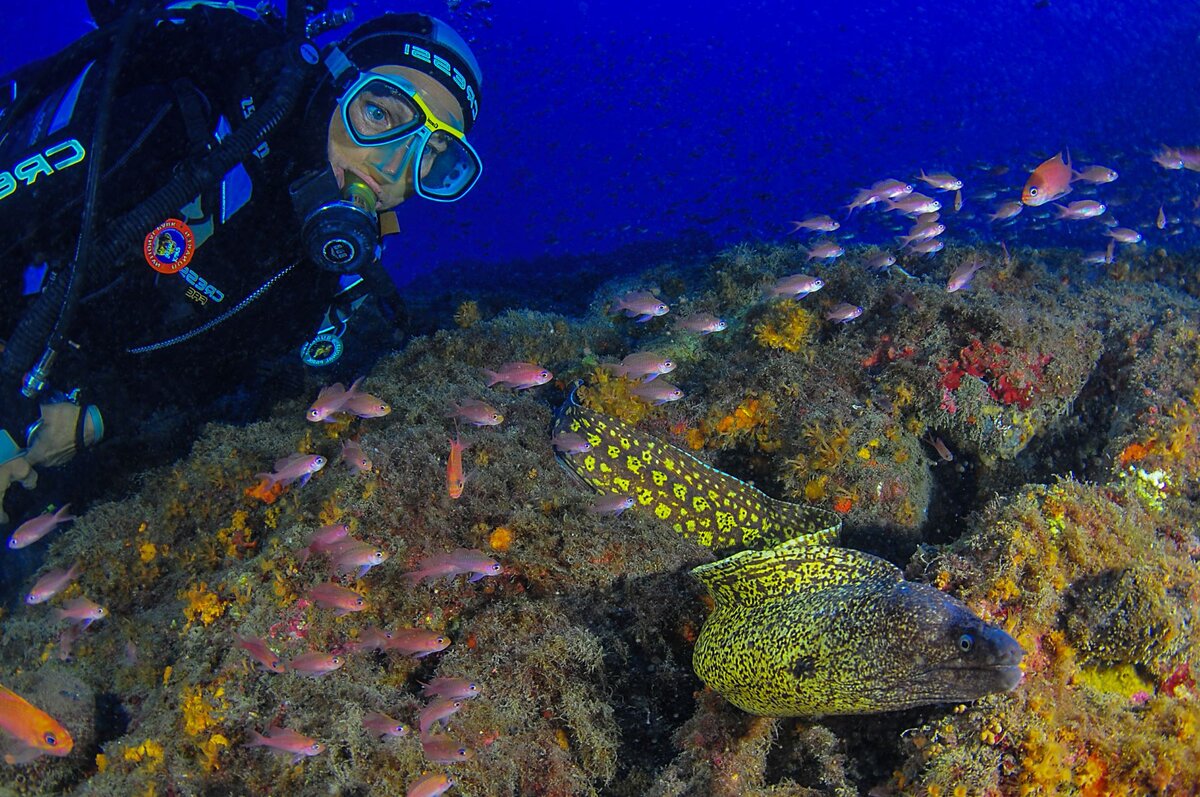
(145, 345)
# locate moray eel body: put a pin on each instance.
(699, 501)
(799, 627)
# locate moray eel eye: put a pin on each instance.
(966, 642)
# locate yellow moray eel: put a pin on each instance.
(799, 627)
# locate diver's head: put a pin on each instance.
(396, 100)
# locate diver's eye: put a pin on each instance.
(50, 739)
(374, 113)
(966, 642)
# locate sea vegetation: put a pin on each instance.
(1066, 514)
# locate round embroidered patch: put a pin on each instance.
(169, 246)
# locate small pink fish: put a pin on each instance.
(455, 563)
(961, 276)
(417, 642)
(442, 749)
(1083, 209)
(67, 639)
(354, 457)
(1120, 234)
(335, 596)
(34, 529)
(324, 539)
(656, 393)
(284, 740)
(927, 247)
(456, 688)
(825, 250)
(81, 610)
(703, 323)
(440, 710)
(371, 638)
(570, 443)
(261, 652)
(642, 304)
(914, 204)
(364, 405)
(518, 375)
(816, 223)
(477, 413)
(1096, 174)
(922, 232)
(881, 261)
(843, 313)
(352, 554)
(611, 504)
(434, 784)
(293, 467)
(330, 400)
(648, 364)
(383, 725)
(891, 188)
(943, 450)
(942, 181)
(315, 665)
(456, 480)
(51, 584)
(796, 285)
(1168, 158)
(1006, 211)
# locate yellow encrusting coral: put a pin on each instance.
(611, 395)
(201, 604)
(786, 326)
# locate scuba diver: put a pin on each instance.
(195, 189)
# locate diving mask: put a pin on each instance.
(387, 114)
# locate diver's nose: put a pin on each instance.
(391, 166)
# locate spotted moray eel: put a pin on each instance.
(799, 626)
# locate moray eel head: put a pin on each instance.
(805, 630)
(942, 651)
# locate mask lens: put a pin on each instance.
(448, 167)
(380, 112)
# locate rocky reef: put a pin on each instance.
(1032, 447)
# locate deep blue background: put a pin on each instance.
(609, 123)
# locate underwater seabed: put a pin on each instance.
(1071, 405)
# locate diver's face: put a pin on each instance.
(380, 167)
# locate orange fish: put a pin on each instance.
(454, 468)
(35, 731)
(1048, 182)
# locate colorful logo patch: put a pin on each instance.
(170, 246)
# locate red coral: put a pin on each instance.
(1010, 377)
(1181, 676)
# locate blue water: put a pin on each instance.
(605, 124)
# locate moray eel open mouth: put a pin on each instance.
(799, 627)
